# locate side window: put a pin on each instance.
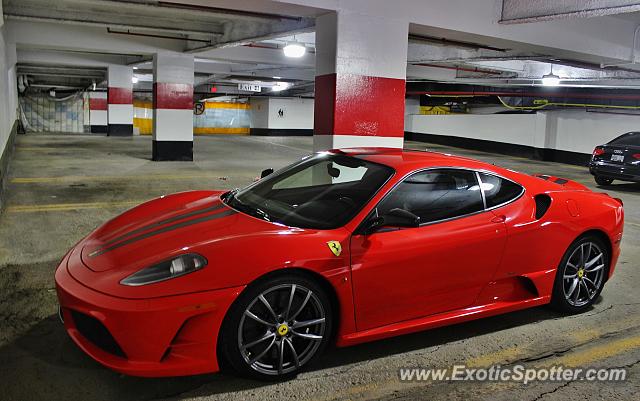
(436, 195)
(498, 190)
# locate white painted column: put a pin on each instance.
(360, 81)
(172, 107)
(120, 100)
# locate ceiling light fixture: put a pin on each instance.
(280, 86)
(134, 80)
(294, 49)
(550, 79)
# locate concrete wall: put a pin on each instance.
(8, 101)
(281, 115)
(259, 112)
(296, 113)
(412, 105)
(573, 131)
(519, 129)
(581, 131)
(8, 89)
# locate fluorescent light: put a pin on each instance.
(295, 50)
(277, 77)
(280, 86)
(550, 80)
(134, 79)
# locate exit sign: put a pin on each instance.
(249, 87)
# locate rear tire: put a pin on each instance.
(603, 180)
(276, 327)
(581, 275)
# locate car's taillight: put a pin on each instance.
(636, 156)
(598, 151)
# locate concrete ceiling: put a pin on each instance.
(242, 40)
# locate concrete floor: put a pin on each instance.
(61, 187)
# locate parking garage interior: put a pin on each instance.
(108, 104)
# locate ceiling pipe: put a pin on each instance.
(452, 42)
(108, 25)
(446, 67)
(148, 35)
(527, 94)
(594, 9)
(225, 11)
(242, 42)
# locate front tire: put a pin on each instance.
(603, 180)
(581, 275)
(276, 327)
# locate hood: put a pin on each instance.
(238, 247)
(160, 229)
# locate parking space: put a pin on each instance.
(62, 187)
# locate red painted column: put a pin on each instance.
(360, 81)
(98, 112)
(120, 100)
(172, 107)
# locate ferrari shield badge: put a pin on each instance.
(335, 247)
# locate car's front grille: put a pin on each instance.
(93, 330)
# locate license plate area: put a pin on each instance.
(617, 158)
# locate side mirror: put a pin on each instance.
(266, 172)
(394, 218)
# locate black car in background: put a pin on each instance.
(617, 160)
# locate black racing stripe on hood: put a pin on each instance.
(104, 250)
(163, 222)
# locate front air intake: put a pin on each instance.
(543, 201)
(94, 331)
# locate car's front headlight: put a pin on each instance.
(172, 268)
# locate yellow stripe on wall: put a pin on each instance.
(223, 105)
(220, 130)
(145, 125)
(143, 104)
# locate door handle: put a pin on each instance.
(499, 219)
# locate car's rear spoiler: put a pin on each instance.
(566, 183)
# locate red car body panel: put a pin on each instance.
(492, 262)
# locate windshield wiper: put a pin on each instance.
(244, 207)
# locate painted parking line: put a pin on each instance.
(77, 178)
(599, 352)
(581, 358)
(62, 207)
(31, 149)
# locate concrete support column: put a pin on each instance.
(360, 81)
(98, 112)
(120, 100)
(172, 107)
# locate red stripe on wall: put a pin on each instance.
(120, 96)
(349, 104)
(172, 96)
(97, 104)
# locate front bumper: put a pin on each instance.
(615, 171)
(164, 336)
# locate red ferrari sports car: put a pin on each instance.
(343, 246)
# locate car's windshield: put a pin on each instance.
(628, 139)
(322, 192)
